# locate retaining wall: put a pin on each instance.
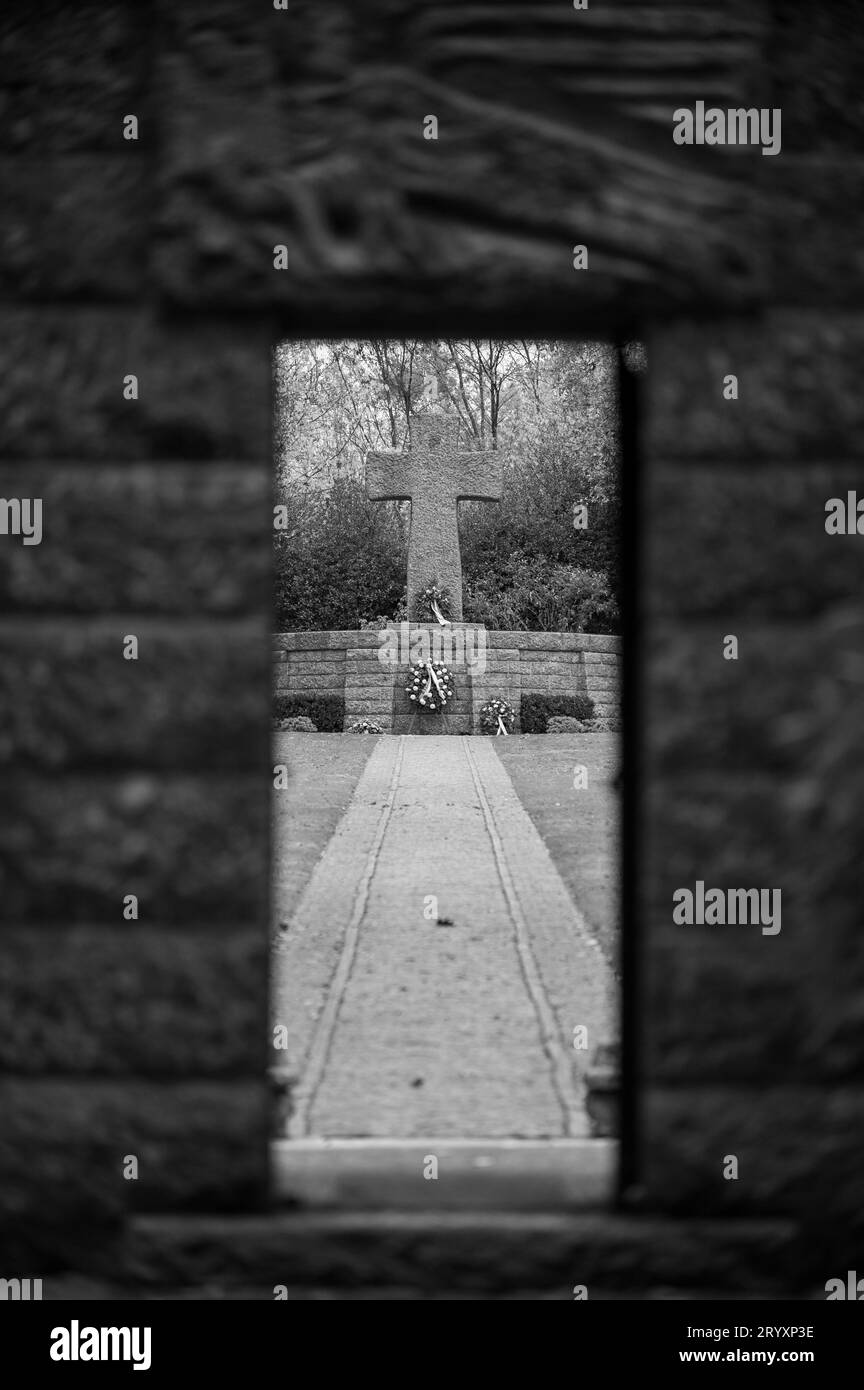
(369, 666)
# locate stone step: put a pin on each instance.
(472, 1174)
(460, 1252)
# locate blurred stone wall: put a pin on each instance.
(302, 129)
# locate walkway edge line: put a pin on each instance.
(316, 1059)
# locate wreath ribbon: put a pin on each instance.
(433, 676)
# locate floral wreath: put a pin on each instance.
(497, 716)
(430, 685)
(432, 604)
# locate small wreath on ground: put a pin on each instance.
(366, 726)
(497, 717)
(433, 605)
(430, 686)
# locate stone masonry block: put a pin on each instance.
(733, 531)
(797, 384)
(68, 697)
(165, 538)
(200, 1146)
(200, 1013)
(75, 225)
(203, 390)
(193, 848)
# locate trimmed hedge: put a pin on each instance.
(534, 710)
(327, 712)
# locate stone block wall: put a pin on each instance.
(564, 663)
(502, 678)
(261, 127)
(319, 670)
(515, 663)
(752, 765)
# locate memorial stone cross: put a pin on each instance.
(434, 476)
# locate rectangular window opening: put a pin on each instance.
(447, 896)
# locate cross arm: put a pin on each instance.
(481, 476)
(388, 477)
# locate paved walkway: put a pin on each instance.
(400, 1025)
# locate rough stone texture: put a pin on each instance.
(737, 977)
(57, 93)
(262, 127)
(815, 64)
(148, 777)
(67, 693)
(751, 1045)
(694, 1128)
(759, 834)
(797, 389)
(434, 477)
(74, 226)
(596, 646)
(711, 713)
(765, 530)
(322, 641)
(383, 225)
(191, 548)
(804, 193)
(323, 671)
(202, 393)
(189, 846)
(62, 1155)
(200, 1014)
(455, 1250)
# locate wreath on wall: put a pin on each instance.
(497, 717)
(430, 686)
(433, 605)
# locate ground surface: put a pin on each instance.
(580, 827)
(324, 770)
(432, 964)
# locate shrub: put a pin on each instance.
(535, 710)
(564, 724)
(603, 724)
(327, 712)
(296, 724)
(341, 559)
(366, 726)
(523, 591)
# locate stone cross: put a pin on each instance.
(433, 476)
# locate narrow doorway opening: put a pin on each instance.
(447, 812)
